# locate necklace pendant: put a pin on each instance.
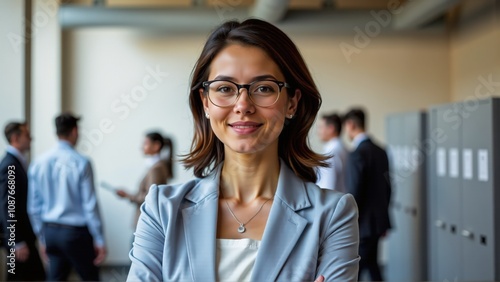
(242, 228)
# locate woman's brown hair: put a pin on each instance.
(207, 151)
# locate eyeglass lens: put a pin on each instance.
(262, 93)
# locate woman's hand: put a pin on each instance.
(321, 278)
(22, 253)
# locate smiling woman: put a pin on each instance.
(254, 212)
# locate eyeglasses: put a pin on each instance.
(225, 93)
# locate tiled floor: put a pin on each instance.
(114, 273)
(108, 274)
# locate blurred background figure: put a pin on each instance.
(159, 154)
(329, 130)
(14, 189)
(63, 207)
(367, 181)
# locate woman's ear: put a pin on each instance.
(293, 102)
(204, 99)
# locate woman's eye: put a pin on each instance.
(224, 89)
(264, 89)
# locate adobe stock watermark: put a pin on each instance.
(222, 7)
(121, 108)
(41, 18)
(10, 224)
(410, 162)
(363, 36)
(471, 103)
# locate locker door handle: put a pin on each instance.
(467, 234)
(440, 224)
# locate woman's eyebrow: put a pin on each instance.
(224, 77)
(260, 77)
(264, 77)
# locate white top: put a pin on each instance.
(150, 161)
(235, 259)
(333, 177)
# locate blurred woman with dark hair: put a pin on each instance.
(254, 212)
(159, 169)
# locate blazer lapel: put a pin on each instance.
(284, 226)
(200, 223)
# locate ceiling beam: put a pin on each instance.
(416, 13)
(204, 19)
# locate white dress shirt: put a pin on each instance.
(333, 177)
(61, 190)
(20, 156)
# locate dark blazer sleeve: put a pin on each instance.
(18, 197)
(355, 170)
(388, 180)
(367, 179)
(3, 198)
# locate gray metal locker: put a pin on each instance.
(448, 192)
(395, 266)
(464, 192)
(415, 198)
(431, 146)
(478, 194)
(406, 242)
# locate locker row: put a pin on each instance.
(445, 197)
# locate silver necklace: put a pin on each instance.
(242, 228)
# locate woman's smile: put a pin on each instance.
(245, 127)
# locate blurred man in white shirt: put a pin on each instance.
(63, 207)
(333, 177)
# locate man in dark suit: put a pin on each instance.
(23, 259)
(367, 167)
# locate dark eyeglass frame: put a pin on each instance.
(280, 84)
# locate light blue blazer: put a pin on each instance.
(309, 232)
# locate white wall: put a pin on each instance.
(46, 74)
(11, 73)
(12, 64)
(475, 58)
(391, 74)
